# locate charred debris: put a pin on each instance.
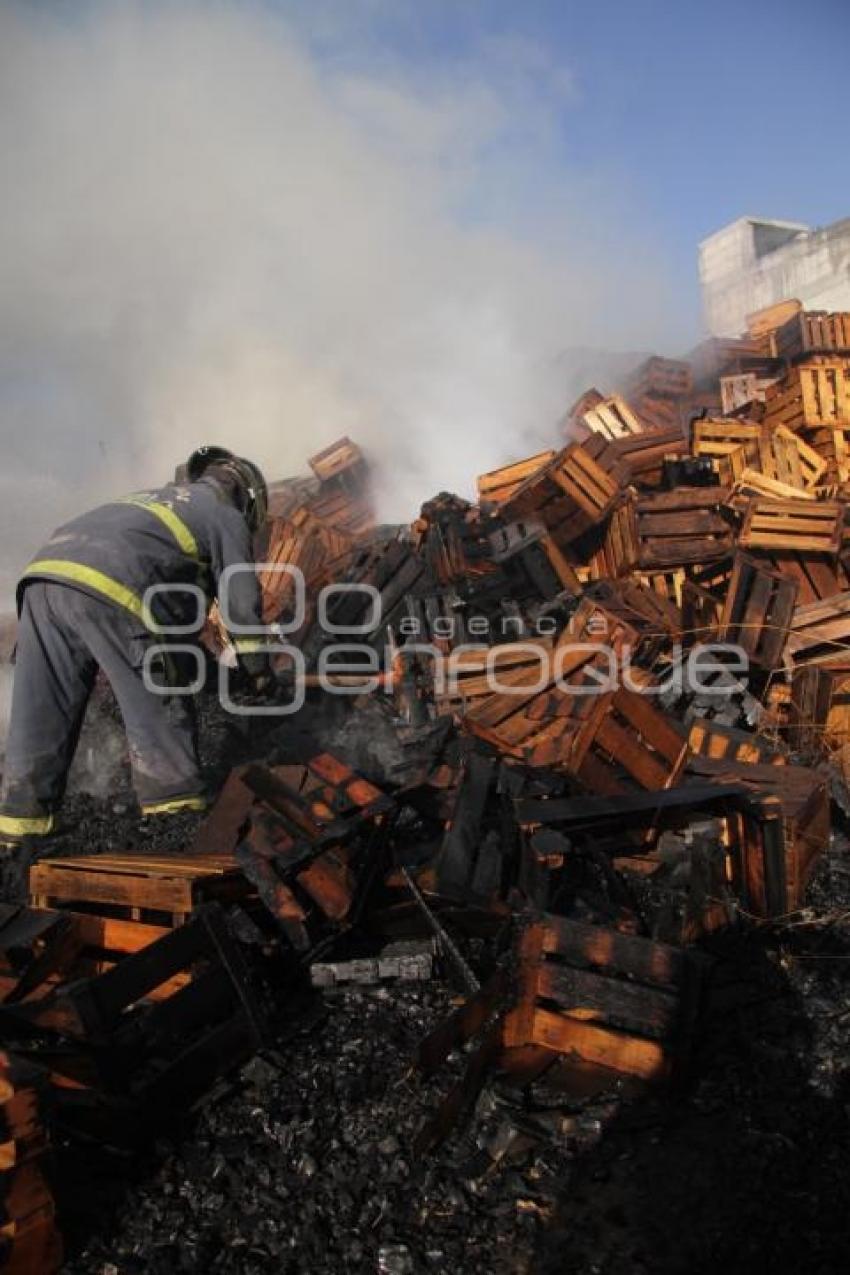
(602, 718)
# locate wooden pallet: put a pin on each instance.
(810, 395)
(758, 611)
(793, 525)
(140, 888)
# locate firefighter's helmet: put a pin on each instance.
(252, 493)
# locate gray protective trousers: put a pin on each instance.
(64, 636)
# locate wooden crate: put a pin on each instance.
(820, 631)
(143, 888)
(777, 835)
(758, 611)
(569, 495)
(707, 738)
(661, 378)
(817, 576)
(794, 525)
(674, 528)
(728, 356)
(30, 1243)
(613, 1002)
(810, 395)
(832, 444)
(738, 447)
(643, 455)
(627, 742)
(742, 391)
(342, 460)
(497, 486)
(140, 1055)
(812, 332)
(610, 418)
(763, 322)
(808, 710)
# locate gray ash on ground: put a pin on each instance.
(308, 1164)
(310, 1167)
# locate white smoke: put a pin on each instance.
(209, 232)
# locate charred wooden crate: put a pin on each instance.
(585, 1006)
(820, 631)
(671, 529)
(149, 1036)
(809, 707)
(812, 332)
(707, 738)
(156, 890)
(661, 378)
(729, 356)
(341, 463)
(758, 611)
(817, 576)
(775, 836)
(644, 455)
(571, 494)
(610, 1002)
(738, 450)
(348, 513)
(499, 485)
(626, 743)
(534, 713)
(793, 525)
(626, 616)
(293, 848)
(30, 1243)
(42, 947)
(810, 395)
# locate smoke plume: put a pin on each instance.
(213, 231)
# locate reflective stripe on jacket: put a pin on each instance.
(182, 534)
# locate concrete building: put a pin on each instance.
(754, 263)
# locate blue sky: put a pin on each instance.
(703, 111)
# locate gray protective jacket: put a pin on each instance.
(181, 534)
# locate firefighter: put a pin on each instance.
(86, 602)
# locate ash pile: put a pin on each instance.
(528, 827)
